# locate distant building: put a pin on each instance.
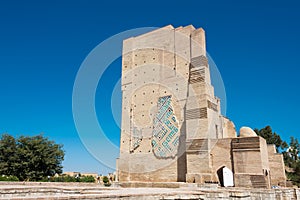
(81, 174)
(95, 175)
(71, 173)
(172, 127)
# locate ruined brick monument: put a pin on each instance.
(172, 127)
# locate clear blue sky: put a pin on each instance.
(255, 45)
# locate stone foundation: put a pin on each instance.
(43, 191)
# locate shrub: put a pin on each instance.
(8, 178)
(106, 181)
(87, 179)
(67, 178)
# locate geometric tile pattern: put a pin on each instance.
(165, 135)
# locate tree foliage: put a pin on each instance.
(294, 148)
(105, 179)
(8, 178)
(30, 157)
(291, 160)
(8, 155)
(290, 152)
(68, 178)
(272, 138)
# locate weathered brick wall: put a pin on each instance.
(277, 171)
(250, 162)
(221, 156)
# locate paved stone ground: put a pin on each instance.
(43, 191)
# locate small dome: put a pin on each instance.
(247, 132)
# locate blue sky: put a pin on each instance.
(255, 45)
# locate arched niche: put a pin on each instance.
(225, 176)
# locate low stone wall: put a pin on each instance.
(43, 191)
(3, 183)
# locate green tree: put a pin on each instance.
(290, 156)
(34, 157)
(87, 179)
(272, 138)
(105, 179)
(292, 161)
(294, 148)
(8, 158)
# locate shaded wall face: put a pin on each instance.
(250, 158)
(247, 155)
(164, 174)
(264, 154)
(221, 157)
(229, 130)
(277, 169)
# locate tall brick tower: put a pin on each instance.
(170, 116)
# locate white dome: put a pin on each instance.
(247, 132)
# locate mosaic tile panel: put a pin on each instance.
(165, 139)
